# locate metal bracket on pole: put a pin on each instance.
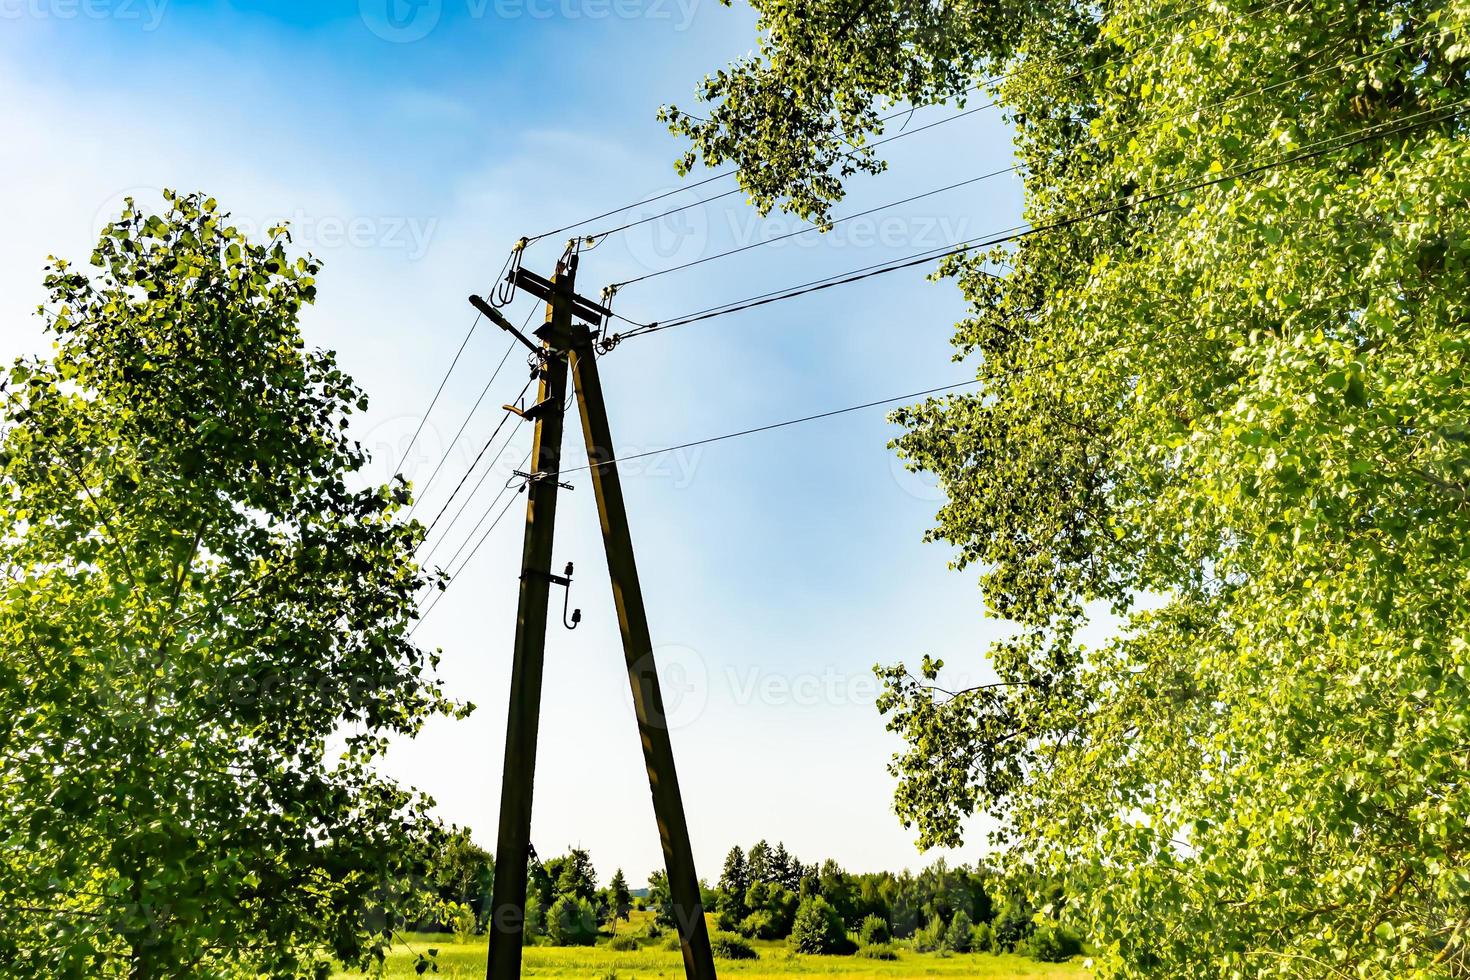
(497, 318)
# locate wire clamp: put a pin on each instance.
(530, 478)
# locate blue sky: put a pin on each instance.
(411, 151)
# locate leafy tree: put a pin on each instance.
(571, 922)
(574, 875)
(535, 924)
(772, 911)
(1225, 368)
(195, 601)
(661, 900)
(759, 863)
(957, 936)
(818, 929)
(734, 882)
(619, 898)
(1013, 925)
(930, 938)
(465, 874)
(874, 931)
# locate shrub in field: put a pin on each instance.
(874, 931)
(728, 946)
(957, 936)
(464, 924)
(982, 939)
(623, 944)
(819, 929)
(1053, 944)
(572, 922)
(930, 939)
(877, 951)
(653, 930)
(1012, 926)
(672, 942)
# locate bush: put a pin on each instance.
(728, 946)
(463, 924)
(930, 939)
(535, 923)
(818, 929)
(759, 925)
(1054, 944)
(957, 936)
(623, 944)
(572, 922)
(653, 930)
(982, 939)
(874, 931)
(673, 942)
(877, 951)
(1012, 926)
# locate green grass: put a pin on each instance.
(467, 962)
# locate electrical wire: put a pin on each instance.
(806, 231)
(423, 491)
(985, 83)
(435, 400)
(1020, 371)
(1023, 231)
(571, 398)
(474, 465)
(1344, 63)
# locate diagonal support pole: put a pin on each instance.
(648, 704)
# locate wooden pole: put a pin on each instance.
(513, 843)
(648, 704)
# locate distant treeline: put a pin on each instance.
(764, 892)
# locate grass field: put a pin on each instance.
(467, 962)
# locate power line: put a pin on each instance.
(440, 597)
(988, 82)
(455, 441)
(806, 231)
(422, 492)
(464, 504)
(998, 375)
(475, 464)
(435, 400)
(1344, 63)
(1024, 231)
(571, 397)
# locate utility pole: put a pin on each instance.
(648, 702)
(513, 843)
(566, 346)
